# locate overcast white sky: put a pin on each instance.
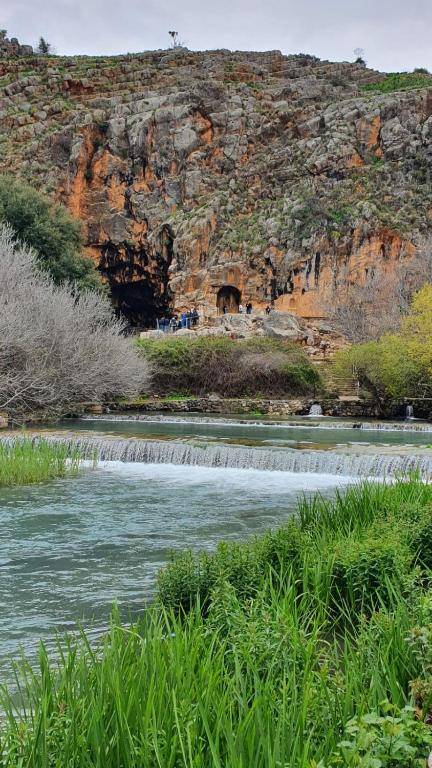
(395, 34)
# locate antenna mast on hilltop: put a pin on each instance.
(176, 42)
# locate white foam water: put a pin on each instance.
(241, 457)
(251, 480)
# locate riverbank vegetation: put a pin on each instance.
(24, 461)
(397, 365)
(229, 367)
(309, 647)
(57, 348)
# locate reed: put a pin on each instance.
(24, 461)
(271, 678)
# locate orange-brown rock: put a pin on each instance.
(204, 178)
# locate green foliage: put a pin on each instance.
(363, 568)
(24, 461)
(229, 367)
(397, 365)
(400, 81)
(390, 737)
(357, 546)
(50, 230)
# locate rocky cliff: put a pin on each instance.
(209, 178)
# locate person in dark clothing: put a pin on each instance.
(195, 317)
(249, 308)
(268, 309)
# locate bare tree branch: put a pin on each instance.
(368, 311)
(55, 348)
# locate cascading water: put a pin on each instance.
(409, 412)
(240, 457)
(316, 410)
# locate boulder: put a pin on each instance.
(185, 332)
(282, 325)
(239, 324)
(151, 334)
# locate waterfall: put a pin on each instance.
(409, 412)
(315, 410)
(242, 457)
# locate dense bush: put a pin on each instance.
(355, 546)
(57, 349)
(363, 567)
(229, 367)
(50, 230)
(386, 738)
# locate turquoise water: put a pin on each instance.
(70, 548)
(301, 435)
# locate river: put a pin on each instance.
(70, 548)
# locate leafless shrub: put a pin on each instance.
(55, 348)
(368, 311)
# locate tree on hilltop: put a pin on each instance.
(44, 48)
(360, 56)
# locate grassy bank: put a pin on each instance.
(303, 648)
(229, 367)
(25, 461)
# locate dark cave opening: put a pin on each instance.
(228, 299)
(139, 303)
(139, 282)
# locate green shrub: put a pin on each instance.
(50, 230)
(421, 542)
(399, 364)
(229, 367)
(355, 545)
(400, 81)
(391, 738)
(363, 568)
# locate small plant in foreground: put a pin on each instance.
(388, 738)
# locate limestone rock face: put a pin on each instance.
(214, 177)
(12, 47)
(282, 325)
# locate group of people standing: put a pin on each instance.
(188, 319)
(241, 308)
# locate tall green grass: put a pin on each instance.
(269, 677)
(24, 461)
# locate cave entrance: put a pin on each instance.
(228, 299)
(139, 303)
(139, 279)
